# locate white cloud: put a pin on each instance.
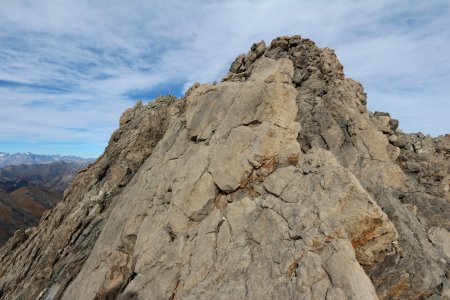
(101, 51)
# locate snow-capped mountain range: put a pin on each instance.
(28, 158)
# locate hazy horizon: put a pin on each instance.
(69, 69)
(46, 153)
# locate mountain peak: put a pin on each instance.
(275, 183)
(307, 59)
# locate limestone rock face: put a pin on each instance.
(36, 260)
(276, 183)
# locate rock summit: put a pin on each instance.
(276, 183)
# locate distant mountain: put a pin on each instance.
(53, 176)
(27, 191)
(28, 158)
(23, 208)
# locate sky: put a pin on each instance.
(68, 69)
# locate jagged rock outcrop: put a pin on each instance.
(276, 183)
(53, 253)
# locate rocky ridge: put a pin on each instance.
(276, 183)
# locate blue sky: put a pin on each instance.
(69, 68)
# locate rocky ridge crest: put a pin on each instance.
(276, 183)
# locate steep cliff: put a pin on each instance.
(276, 183)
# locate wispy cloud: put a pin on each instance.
(69, 68)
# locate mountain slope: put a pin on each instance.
(34, 200)
(53, 176)
(276, 183)
(27, 191)
(15, 215)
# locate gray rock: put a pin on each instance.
(440, 238)
(237, 63)
(276, 183)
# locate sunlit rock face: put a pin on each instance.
(276, 183)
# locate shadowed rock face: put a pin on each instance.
(276, 183)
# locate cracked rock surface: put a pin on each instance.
(276, 183)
